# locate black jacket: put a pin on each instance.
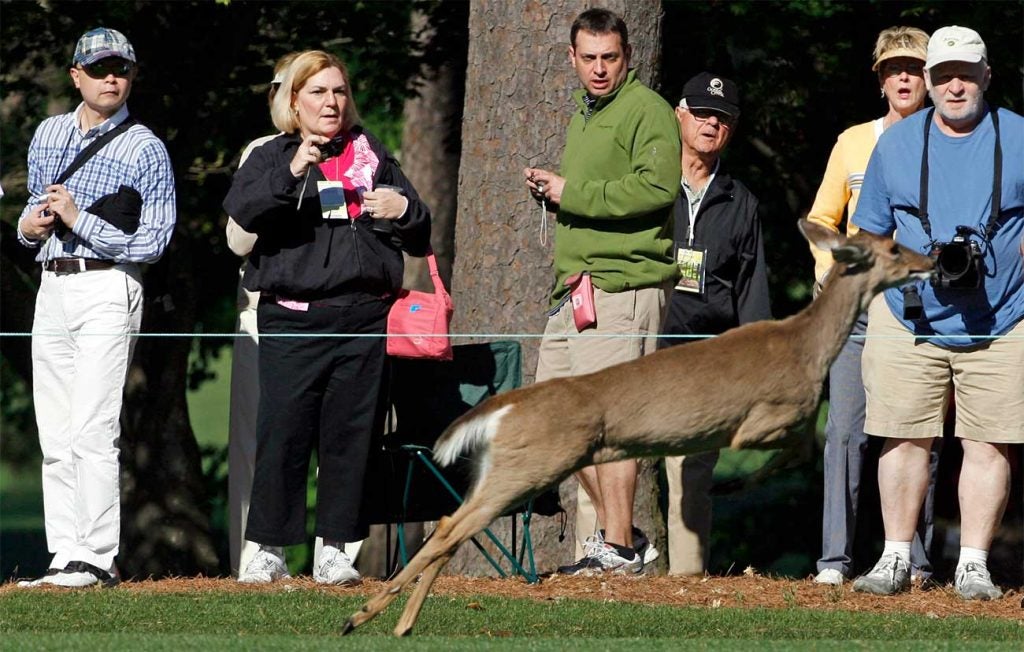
(736, 279)
(300, 255)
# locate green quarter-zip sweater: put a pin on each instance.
(622, 170)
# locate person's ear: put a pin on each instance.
(987, 78)
(74, 77)
(628, 51)
(927, 80)
(572, 55)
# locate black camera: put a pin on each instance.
(330, 149)
(959, 263)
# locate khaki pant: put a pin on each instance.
(907, 383)
(631, 319)
(689, 512)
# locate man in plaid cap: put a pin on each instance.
(102, 201)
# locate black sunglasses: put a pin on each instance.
(111, 66)
(702, 115)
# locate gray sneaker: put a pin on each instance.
(890, 575)
(974, 583)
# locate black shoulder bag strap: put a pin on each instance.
(96, 146)
(997, 179)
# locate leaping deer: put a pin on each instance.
(757, 381)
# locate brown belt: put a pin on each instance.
(76, 265)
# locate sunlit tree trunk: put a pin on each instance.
(517, 109)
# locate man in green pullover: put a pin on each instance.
(618, 181)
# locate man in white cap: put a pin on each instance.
(102, 201)
(948, 181)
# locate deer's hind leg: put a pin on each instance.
(451, 531)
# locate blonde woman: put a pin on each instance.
(327, 261)
(899, 62)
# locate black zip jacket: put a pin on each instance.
(736, 279)
(299, 255)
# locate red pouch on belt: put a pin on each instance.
(581, 295)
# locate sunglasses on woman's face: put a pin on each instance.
(112, 66)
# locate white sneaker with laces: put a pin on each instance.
(829, 576)
(266, 566)
(972, 582)
(336, 568)
(890, 575)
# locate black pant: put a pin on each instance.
(315, 391)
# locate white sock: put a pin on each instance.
(972, 556)
(901, 548)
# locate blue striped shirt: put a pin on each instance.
(135, 158)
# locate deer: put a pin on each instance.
(759, 381)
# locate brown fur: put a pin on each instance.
(750, 385)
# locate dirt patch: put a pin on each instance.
(747, 591)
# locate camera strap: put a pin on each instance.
(997, 178)
(94, 147)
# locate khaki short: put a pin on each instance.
(908, 383)
(631, 319)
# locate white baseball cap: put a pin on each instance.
(955, 43)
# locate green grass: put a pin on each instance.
(208, 406)
(310, 619)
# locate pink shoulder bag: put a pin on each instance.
(418, 321)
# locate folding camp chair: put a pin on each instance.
(427, 396)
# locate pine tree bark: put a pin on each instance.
(165, 517)
(516, 116)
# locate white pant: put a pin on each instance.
(82, 340)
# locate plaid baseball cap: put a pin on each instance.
(710, 91)
(101, 43)
(955, 43)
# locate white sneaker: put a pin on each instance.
(335, 567)
(974, 583)
(829, 576)
(266, 566)
(41, 581)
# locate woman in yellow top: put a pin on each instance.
(899, 61)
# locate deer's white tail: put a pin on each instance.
(469, 435)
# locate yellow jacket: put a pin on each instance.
(840, 187)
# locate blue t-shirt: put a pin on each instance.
(959, 193)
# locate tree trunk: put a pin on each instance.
(165, 524)
(516, 116)
(431, 132)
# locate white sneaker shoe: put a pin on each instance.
(829, 576)
(974, 583)
(266, 566)
(41, 581)
(335, 567)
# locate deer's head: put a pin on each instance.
(886, 263)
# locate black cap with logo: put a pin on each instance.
(710, 91)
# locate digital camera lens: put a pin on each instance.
(954, 261)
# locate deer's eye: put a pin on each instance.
(895, 251)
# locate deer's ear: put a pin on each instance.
(819, 236)
(852, 255)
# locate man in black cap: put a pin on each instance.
(723, 284)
